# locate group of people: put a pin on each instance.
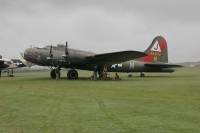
(104, 74)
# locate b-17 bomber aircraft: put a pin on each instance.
(154, 59)
(6, 64)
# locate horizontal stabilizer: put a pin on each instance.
(162, 65)
(116, 57)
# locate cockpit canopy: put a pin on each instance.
(54, 47)
(49, 47)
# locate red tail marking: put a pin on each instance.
(149, 57)
(163, 44)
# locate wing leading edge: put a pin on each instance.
(115, 57)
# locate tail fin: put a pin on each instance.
(157, 51)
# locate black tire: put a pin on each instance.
(52, 74)
(142, 75)
(72, 74)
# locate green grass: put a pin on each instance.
(158, 103)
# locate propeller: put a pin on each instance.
(67, 53)
(50, 58)
(50, 53)
(66, 50)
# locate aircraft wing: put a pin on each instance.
(162, 65)
(115, 57)
(14, 63)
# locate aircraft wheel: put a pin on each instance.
(53, 75)
(72, 74)
(142, 75)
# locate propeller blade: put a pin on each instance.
(66, 49)
(51, 55)
(67, 53)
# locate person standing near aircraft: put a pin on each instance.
(57, 71)
(95, 72)
(105, 70)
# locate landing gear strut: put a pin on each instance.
(72, 74)
(11, 75)
(142, 75)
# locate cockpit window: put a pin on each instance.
(48, 47)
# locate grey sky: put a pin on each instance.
(101, 26)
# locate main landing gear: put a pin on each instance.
(142, 75)
(71, 74)
(53, 74)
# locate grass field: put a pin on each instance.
(158, 103)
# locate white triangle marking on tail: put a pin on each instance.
(156, 47)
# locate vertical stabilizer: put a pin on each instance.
(157, 51)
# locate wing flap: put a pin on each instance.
(162, 65)
(115, 57)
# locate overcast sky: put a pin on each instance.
(101, 26)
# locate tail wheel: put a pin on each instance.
(142, 75)
(72, 74)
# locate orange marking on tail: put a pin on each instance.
(155, 58)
